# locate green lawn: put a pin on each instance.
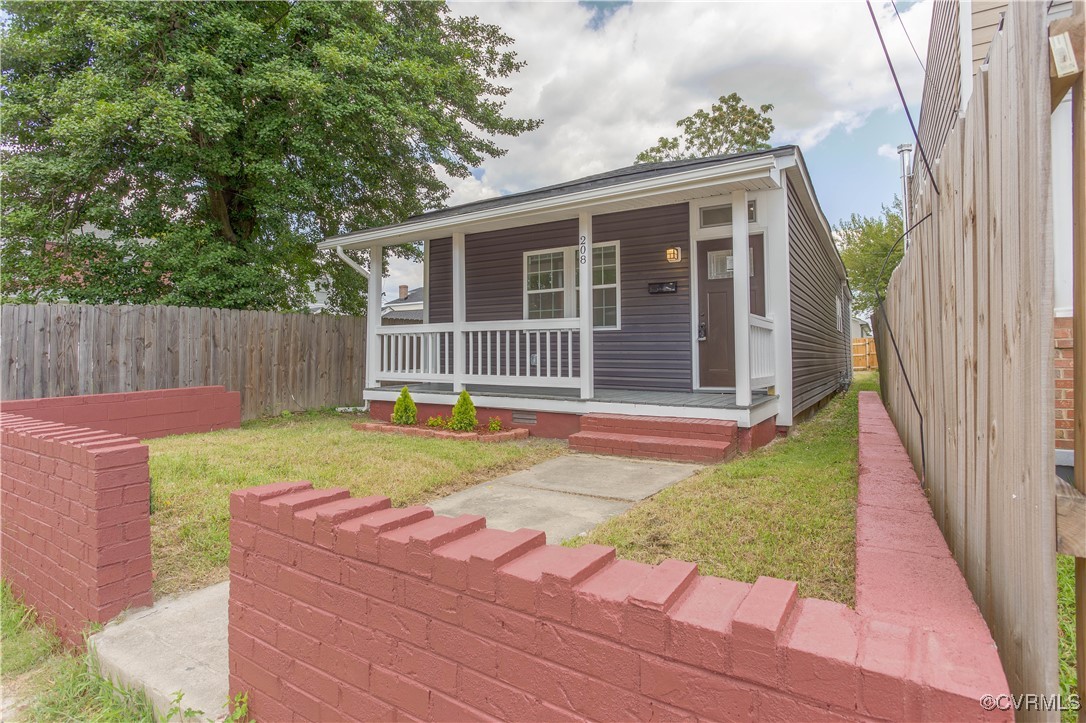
(45, 681)
(192, 477)
(1065, 579)
(787, 510)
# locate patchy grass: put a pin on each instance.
(192, 477)
(1065, 579)
(787, 510)
(45, 681)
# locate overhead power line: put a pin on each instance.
(907, 37)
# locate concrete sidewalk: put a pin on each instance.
(567, 495)
(180, 646)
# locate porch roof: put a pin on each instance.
(668, 182)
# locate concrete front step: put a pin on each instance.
(708, 429)
(652, 446)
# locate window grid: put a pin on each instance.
(548, 286)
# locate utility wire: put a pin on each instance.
(901, 94)
(902, 21)
(897, 352)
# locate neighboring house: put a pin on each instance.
(860, 328)
(960, 38)
(406, 308)
(682, 322)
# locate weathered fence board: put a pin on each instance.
(971, 309)
(277, 361)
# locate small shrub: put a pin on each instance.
(437, 422)
(405, 412)
(495, 424)
(463, 414)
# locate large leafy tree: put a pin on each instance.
(728, 126)
(866, 244)
(195, 153)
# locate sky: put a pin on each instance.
(608, 79)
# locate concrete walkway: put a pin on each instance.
(567, 495)
(180, 645)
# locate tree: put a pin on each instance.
(729, 126)
(217, 143)
(864, 243)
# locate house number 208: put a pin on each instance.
(583, 250)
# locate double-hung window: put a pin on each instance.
(552, 282)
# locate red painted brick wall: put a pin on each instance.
(75, 542)
(1065, 384)
(154, 413)
(347, 607)
(550, 425)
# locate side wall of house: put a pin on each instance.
(821, 350)
(942, 84)
(1065, 384)
(651, 351)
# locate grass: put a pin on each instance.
(45, 681)
(787, 510)
(192, 477)
(1065, 598)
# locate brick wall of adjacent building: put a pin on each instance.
(344, 607)
(1065, 384)
(75, 542)
(147, 414)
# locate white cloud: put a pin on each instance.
(888, 150)
(606, 94)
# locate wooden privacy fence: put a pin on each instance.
(864, 357)
(277, 361)
(971, 310)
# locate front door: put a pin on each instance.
(716, 306)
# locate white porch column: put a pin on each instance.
(741, 289)
(459, 311)
(778, 276)
(584, 269)
(373, 314)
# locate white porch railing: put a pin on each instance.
(536, 353)
(763, 367)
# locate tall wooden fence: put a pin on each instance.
(277, 361)
(864, 356)
(971, 310)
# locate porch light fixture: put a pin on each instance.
(674, 255)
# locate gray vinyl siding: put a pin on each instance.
(942, 81)
(439, 283)
(820, 351)
(652, 349)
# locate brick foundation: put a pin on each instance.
(1065, 383)
(75, 542)
(147, 414)
(344, 607)
(550, 425)
(757, 436)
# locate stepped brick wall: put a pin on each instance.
(75, 542)
(153, 413)
(1065, 384)
(343, 607)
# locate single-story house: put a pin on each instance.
(860, 328)
(406, 308)
(640, 291)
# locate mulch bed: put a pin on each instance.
(484, 435)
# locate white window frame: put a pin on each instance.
(708, 233)
(572, 278)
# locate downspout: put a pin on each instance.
(357, 267)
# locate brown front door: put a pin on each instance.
(716, 307)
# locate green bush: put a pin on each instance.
(438, 421)
(463, 414)
(495, 424)
(405, 412)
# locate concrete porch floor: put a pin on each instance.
(180, 644)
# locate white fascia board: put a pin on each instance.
(741, 170)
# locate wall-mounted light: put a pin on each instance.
(674, 255)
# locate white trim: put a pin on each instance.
(778, 281)
(426, 282)
(741, 299)
(695, 294)
(375, 274)
(571, 282)
(743, 417)
(762, 169)
(459, 309)
(584, 254)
